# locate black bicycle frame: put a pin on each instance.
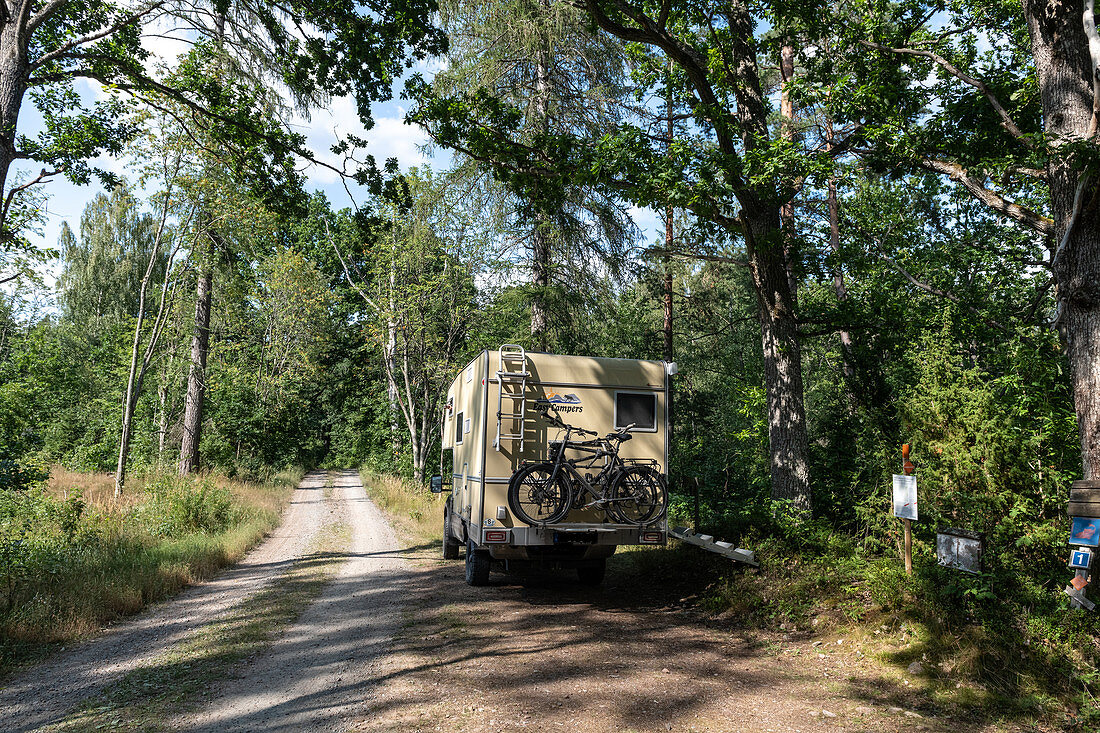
(599, 448)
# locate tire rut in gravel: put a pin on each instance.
(319, 675)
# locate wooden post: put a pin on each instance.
(907, 469)
(696, 504)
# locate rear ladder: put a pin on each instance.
(512, 377)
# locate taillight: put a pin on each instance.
(652, 538)
(496, 535)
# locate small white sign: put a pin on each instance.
(905, 497)
(466, 427)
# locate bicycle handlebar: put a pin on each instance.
(556, 420)
(622, 434)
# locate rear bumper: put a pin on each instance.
(511, 541)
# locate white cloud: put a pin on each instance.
(389, 138)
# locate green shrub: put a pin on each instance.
(20, 475)
(176, 507)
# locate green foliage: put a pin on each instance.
(103, 270)
(177, 507)
(20, 475)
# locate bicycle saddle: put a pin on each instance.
(621, 437)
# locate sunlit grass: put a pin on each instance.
(72, 558)
(413, 509)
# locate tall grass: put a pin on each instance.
(72, 558)
(414, 510)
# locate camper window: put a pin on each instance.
(458, 429)
(637, 408)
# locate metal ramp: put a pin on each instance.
(512, 377)
(708, 543)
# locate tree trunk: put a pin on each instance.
(132, 388)
(391, 352)
(786, 212)
(13, 87)
(196, 375)
(787, 435)
(846, 353)
(541, 236)
(1065, 72)
(668, 235)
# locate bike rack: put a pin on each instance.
(512, 371)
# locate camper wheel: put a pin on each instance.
(591, 573)
(450, 544)
(477, 565)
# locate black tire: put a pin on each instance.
(534, 498)
(638, 495)
(450, 544)
(477, 565)
(592, 574)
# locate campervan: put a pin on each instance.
(506, 410)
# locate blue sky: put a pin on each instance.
(389, 138)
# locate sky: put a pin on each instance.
(389, 138)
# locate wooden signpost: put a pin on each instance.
(1084, 513)
(905, 503)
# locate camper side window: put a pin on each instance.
(639, 408)
(458, 429)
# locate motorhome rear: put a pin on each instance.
(493, 424)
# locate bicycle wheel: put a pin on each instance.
(638, 495)
(536, 499)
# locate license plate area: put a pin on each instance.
(575, 538)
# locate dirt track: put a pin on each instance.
(397, 641)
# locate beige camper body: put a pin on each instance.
(492, 425)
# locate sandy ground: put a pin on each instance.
(546, 654)
(398, 642)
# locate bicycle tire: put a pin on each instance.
(638, 495)
(534, 499)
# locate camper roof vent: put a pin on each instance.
(512, 377)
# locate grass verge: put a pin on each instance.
(72, 558)
(413, 511)
(148, 698)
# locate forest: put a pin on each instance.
(879, 226)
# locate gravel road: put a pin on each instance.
(309, 675)
(318, 675)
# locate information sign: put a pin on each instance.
(960, 549)
(1085, 530)
(905, 497)
(1080, 559)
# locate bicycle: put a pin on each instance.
(629, 492)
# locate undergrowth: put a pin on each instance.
(72, 558)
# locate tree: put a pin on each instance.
(102, 273)
(735, 175)
(316, 51)
(519, 73)
(1015, 98)
(421, 300)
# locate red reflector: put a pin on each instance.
(496, 535)
(653, 538)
